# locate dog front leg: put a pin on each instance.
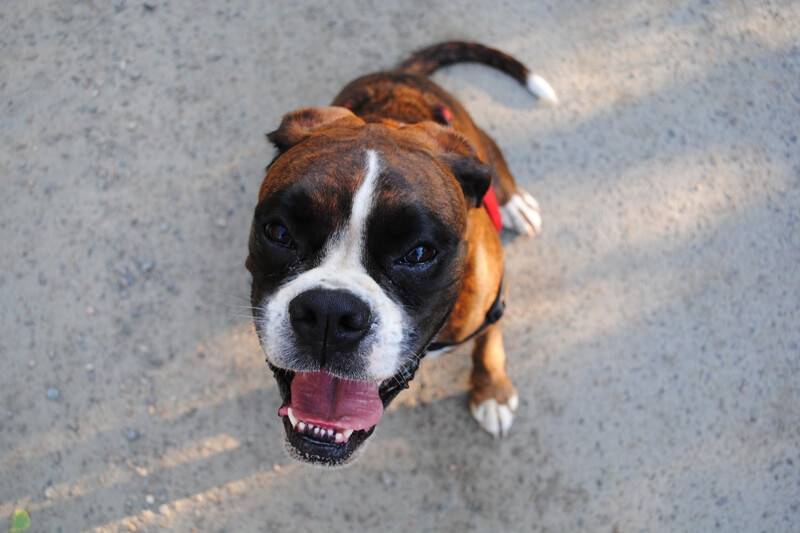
(493, 400)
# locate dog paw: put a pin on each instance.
(522, 214)
(495, 417)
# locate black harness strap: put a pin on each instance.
(492, 315)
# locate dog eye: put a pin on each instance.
(418, 255)
(279, 235)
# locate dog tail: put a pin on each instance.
(428, 60)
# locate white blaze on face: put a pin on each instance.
(345, 250)
(342, 269)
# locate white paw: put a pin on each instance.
(495, 417)
(522, 214)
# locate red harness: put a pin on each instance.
(493, 208)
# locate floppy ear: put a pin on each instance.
(457, 152)
(474, 176)
(298, 125)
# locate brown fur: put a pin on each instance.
(426, 138)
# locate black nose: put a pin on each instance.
(325, 318)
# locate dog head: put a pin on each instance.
(357, 252)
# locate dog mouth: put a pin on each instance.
(327, 419)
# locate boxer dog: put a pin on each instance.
(375, 240)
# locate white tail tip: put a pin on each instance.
(541, 89)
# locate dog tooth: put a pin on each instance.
(301, 427)
(339, 438)
(346, 433)
(292, 419)
(330, 433)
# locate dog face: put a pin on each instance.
(357, 252)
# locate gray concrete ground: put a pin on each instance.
(653, 327)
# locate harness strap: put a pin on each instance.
(493, 208)
(494, 314)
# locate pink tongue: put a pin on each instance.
(327, 401)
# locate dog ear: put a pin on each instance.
(456, 151)
(475, 177)
(298, 125)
